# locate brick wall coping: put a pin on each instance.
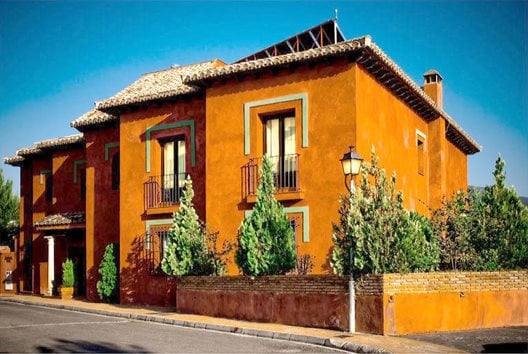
(375, 284)
(442, 282)
(322, 284)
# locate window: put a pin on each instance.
(173, 167)
(294, 224)
(83, 184)
(155, 244)
(280, 147)
(49, 188)
(115, 172)
(420, 150)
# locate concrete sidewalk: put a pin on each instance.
(357, 342)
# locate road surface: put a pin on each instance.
(26, 328)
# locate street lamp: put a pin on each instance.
(351, 163)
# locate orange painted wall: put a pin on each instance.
(448, 311)
(66, 192)
(331, 112)
(137, 285)
(457, 170)
(40, 209)
(102, 203)
(34, 207)
(23, 243)
(390, 126)
(346, 106)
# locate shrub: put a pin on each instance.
(452, 222)
(304, 264)
(190, 249)
(68, 274)
(266, 244)
(484, 230)
(108, 286)
(500, 232)
(375, 234)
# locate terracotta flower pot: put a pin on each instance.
(66, 293)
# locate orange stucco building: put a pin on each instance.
(303, 102)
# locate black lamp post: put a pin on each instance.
(351, 163)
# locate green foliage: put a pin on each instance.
(190, 249)
(68, 274)
(108, 286)
(376, 234)
(453, 222)
(484, 230)
(266, 244)
(8, 211)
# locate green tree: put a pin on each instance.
(266, 244)
(108, 286)
(500, 226)
(453, 223)
(484, 230)
(190, 249)
(375, 233)
(8, 211)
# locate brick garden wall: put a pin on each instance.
(416, 283)
(312, 300)
(385, 304)
(441, 301)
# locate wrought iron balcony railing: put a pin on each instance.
(163, 191)
(285, 174)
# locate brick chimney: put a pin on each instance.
(433, 86)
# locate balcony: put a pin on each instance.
(162, 193)
(285, 178)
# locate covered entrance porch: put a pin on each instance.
(65, 236)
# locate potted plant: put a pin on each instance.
(68, 279)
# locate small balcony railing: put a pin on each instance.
(164, 191)
(285, 174)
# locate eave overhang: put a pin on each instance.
(366, 54)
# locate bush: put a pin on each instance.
(453, 223)
(68, 274)
(304, 264)
(376, 234)
(190, 249)
(108, 286)
(266, 244)
(484, 230)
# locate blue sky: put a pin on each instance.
(57, 58)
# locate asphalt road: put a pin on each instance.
(25, 328)
(493, 340)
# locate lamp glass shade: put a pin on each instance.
(351, 163)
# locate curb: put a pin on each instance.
(335, 343)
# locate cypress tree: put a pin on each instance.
(266, 244)
(186, 243)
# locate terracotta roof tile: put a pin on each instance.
(157, 85)
(93, 118)
(62, 219)
(30, 150)
(260, 64)
(60, 142)
(40, 147)
(14, 160)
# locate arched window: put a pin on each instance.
(115, 172)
